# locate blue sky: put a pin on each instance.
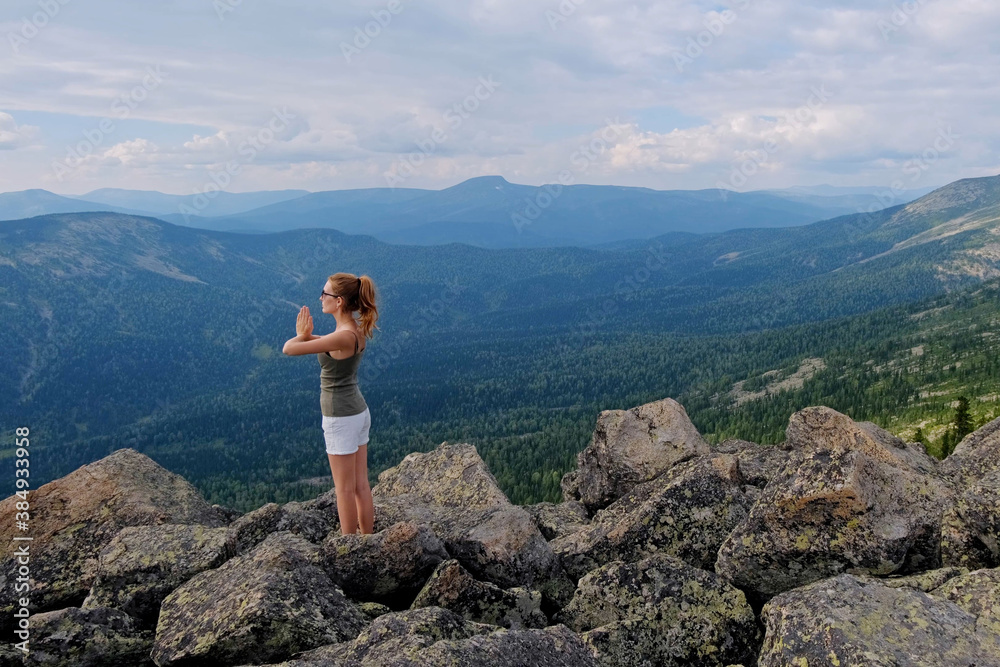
(179, 94)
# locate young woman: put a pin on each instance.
(346, 418)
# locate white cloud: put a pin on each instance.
(14, 136)
(889, 96)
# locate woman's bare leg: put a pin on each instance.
(342, 467)
(363, 492)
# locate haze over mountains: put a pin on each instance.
(486, 211)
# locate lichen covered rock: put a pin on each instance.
(629, 447)
(661, 611)
(143, 564)
(260, 606)
(452, 587)
(389, 566)
(75, 517)
(861, 500)
(558, 519)
(96, 637)
(687, 512)
(846, 621)
(449, 476)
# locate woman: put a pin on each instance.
(346, 418)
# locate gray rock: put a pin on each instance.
(759, 464)
(861, 500)
(976, 456)
(452, 587)
(687, 512)
(98, 637)
(143, 564)
(558, 519)
(978, 593)
(923, 581)
(661, 611)
(312, 520)
(629, 447)
(389, 566)
(75, 517)
(449, 476)
(500, 544)
(260, 606)
(971, 531)
(847, 621)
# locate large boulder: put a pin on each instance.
(971, 534)
(312, 520)
(452, 587)
(687, 512)
(389, 567)
(143, 564)
(759, 464)
(75, 517)
(500, 544)
(437, 637)
(449, 475)
(848, 621)
(629, 447)
(860, 500)
(260, 606)
(978, 593)
(96, 637)
(661, 611)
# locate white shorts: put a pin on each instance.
(345, 434)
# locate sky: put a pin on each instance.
(184, 96)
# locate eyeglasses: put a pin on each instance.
(325, 293)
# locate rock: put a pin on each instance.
(260, 606)
(924, 581)
(143, 564)
(312, 520)
(558, 519)
(555, 646)
(373, 610)
(847, 621)
(449, 476)
(452, 587)
(971, 531)
(978, 593)
(98, 637)
(394, 636)
(500, 544)
(976, 456)
(861, 500)
(227, 513)
(687, 512)
(759, 464)
(661, 611)
(629, 447)
(389, 566)
(75, 517)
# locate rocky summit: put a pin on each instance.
(844, 545)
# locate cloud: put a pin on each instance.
(749, 65)
(14, 136)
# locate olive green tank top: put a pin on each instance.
(339, 394)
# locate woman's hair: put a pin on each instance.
(358, 297)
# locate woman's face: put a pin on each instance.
(329, 303)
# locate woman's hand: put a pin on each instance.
(304, 324)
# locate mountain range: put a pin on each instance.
(485, 211)
(130, 329)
